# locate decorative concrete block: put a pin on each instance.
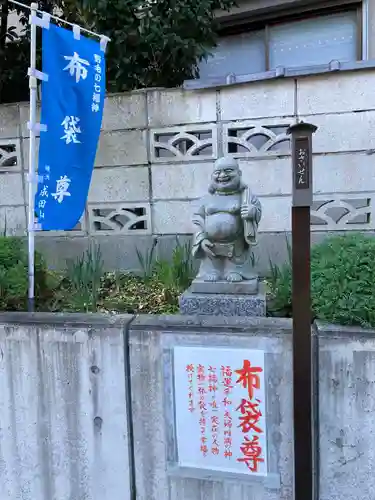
(119, 184)
(14, 219)
(245, 135)
(180, 180)
(172, 217)
(122, 148)
(268, 176)
(24, 114)
(345, 132)
(119, 218)
(25, 152)
(258, 100)
(313, 98)
(125, 111)
(11, 189)
(184, 143)
(343, 173)
(10, 155)
(222, 304)
(9, 121)
(174, 106)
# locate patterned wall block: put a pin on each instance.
(185, 143)
(10, 155)
(79, 230)
(173, 217)
(313, 98)
(115, 219)
(253, 139)
(343, 132)
(343, 212)
(25, 117)
(11, 189)
(9, 121)
(170, 106)
(119, 184)
(13, 219)
(180, 180)
(258, 100)
(127, 147)
(125, 111)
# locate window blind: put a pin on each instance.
(314, 41)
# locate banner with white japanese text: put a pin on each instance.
(72, 110)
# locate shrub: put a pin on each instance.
(342, 281)
(14, 275)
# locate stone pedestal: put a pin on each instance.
(221, 298)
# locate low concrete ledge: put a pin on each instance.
(277, 74)
(217, 324)
(65, 319)
(323, 329)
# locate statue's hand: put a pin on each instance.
(206, 246)
(248, 212)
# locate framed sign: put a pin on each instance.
(220, 409)
(301, 143)
(302, 163)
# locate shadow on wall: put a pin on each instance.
(119, 252)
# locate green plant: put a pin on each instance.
(14, 275)
(146, 260)
(280, 281)
(178, 272)
(85, 274)
(15, 49)
(155, 43)
(342, 280)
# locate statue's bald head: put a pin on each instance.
(226, 162)
(226, 176)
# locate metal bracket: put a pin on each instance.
(34, 179)
(35, 227)
(37, 127)
(76, 32)
(42, 22)
(104, 42)
(38, 74)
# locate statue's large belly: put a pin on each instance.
(223, 227)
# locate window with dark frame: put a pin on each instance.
(304, 39)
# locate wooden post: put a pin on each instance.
(301, 135)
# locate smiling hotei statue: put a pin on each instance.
(227, 221)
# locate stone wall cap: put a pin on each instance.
(65, 319)
(216, 323)
(325, 329)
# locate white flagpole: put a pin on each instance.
(32, 161)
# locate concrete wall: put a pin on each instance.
(63, 420)
(346, 416)
(146, 181)
(67, 390)
(152, 340)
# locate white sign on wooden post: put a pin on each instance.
(220, 409)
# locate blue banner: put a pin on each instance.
(72, 110)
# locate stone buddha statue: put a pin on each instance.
(227, 226)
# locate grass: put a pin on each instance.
(85, 287)
(117, 293)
